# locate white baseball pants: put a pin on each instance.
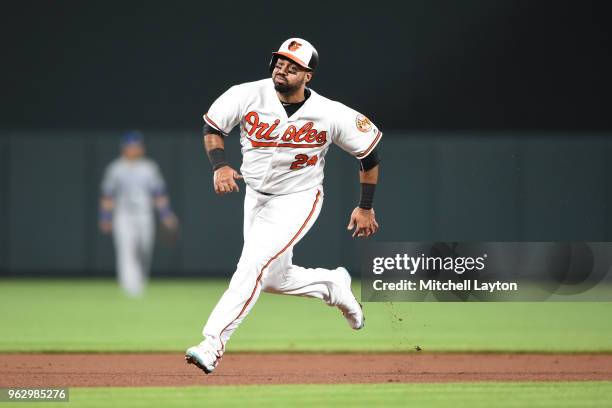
(134, 238)
(273, 225)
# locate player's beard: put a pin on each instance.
(286, 88)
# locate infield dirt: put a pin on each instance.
(169, 369)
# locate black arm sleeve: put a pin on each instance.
(370, 161)
(208, 130)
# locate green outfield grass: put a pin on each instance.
(93, 315)
(456, 395)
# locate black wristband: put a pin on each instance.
(217, 158)
(367, 196)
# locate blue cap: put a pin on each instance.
(132, 137)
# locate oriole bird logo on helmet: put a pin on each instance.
(294, 46)
(299, 51)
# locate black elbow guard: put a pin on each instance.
(370, 161)
(209, 130)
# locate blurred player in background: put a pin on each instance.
(132, 187)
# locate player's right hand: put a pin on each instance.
(106, 227)
(224, 180)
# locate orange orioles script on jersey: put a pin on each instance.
(304, 137)
(274, 146)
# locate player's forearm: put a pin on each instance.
(369, 176)
(215, 150)
(162, 204)
(213, 141)
(161, 201)
(107, 205)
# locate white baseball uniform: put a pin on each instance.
(133, 186)
(283, 160)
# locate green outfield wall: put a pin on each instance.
(434, 187)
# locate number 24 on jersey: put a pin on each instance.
(302, 160)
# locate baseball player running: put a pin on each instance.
(286, 129)
(132, 186)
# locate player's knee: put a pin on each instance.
(254, 264)
(272, 283)
(248, 272)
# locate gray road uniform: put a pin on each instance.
(133, 186)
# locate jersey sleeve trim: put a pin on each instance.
(371, 147)
(213, 124)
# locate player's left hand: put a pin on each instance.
(364, 222)
(170, 231)
(170, 222)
